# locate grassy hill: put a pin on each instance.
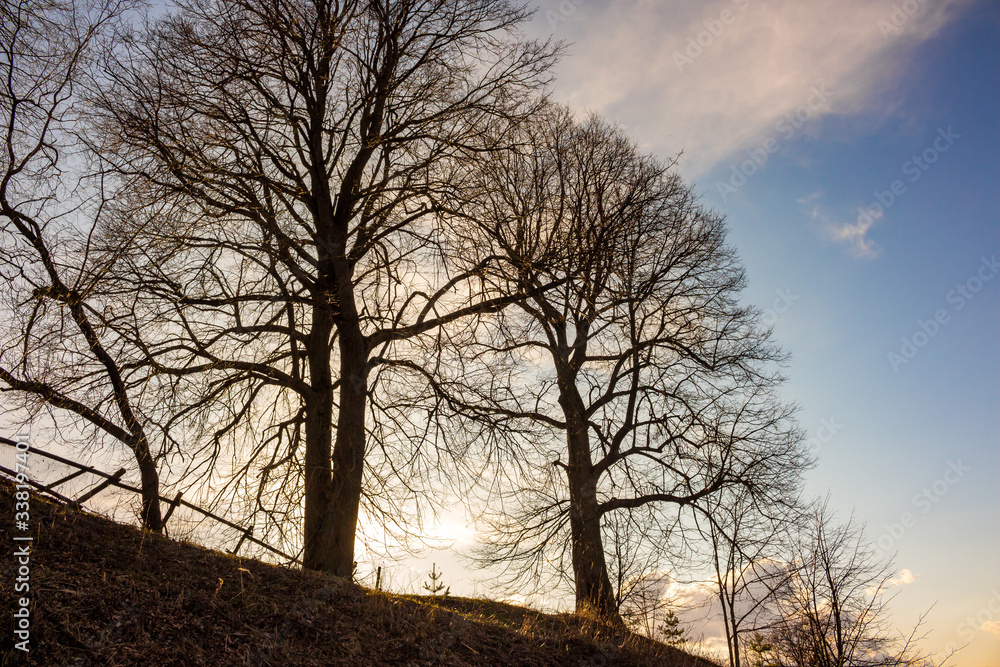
(103, 593)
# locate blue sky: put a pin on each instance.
(869, 91)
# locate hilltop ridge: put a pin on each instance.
(104, 593)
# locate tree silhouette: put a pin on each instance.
(636, 387)
(58, 347)
(294, 148)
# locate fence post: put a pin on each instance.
(247, 533)
(170, 508)
(100, 487)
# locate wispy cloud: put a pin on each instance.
(811, 198)
(755, 63)
(852, 237)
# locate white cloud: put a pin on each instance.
(697, 603)
(904, 578)
(992, 627)
(632, 61)
(852, 237)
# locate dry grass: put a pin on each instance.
(107, 594)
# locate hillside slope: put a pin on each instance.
(103, 593)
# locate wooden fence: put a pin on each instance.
(115, 480)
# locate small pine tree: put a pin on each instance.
(759, 652)
(670, 631)
(435, 585)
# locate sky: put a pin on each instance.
(852, 146)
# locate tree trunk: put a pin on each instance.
(150, 487)
(349, 449)
(317, 553)
(594, 594)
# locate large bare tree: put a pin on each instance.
(648, 386)
(297, 147)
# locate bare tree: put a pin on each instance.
(57, 349)
(646, 385)
(298, 146)
(834, 610)
(747, 536)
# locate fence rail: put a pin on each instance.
(246, 533)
